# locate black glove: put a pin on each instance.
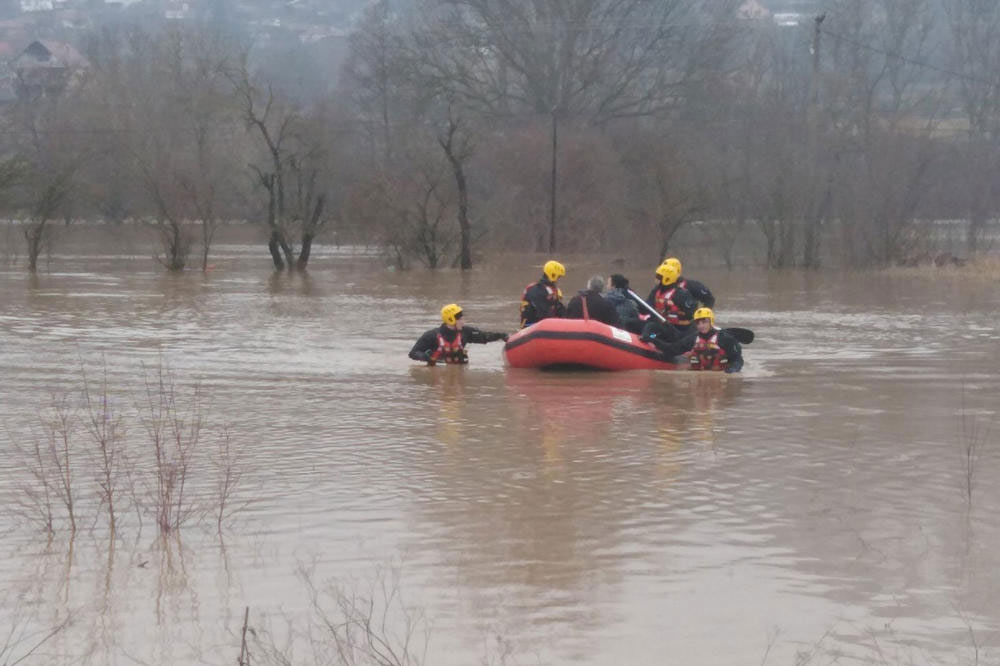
(429, 357)
(504, 337)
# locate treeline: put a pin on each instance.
(459, 126)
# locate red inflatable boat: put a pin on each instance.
(582, 343)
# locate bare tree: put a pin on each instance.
(377, 80)
(48, 193)
(664, 196)
(291, 172)
(43, 167)
(457, 148)
(975, 42)
(602, 59)
(163, 101)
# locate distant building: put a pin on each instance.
(793, 12)
(37, 5)
(42, 70)
(752, 10)
(176, 11)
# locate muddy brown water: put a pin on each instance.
(813, 508)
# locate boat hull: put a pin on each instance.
(579, 343)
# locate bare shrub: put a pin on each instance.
(974, 436)
(106, 429)
(78, 465)
(349, 624)
(49, 460)
(228, 474)
(174, 430)
(371, 626)
(20, 643)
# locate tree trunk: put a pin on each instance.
(177, 251)
(463, 216)
(977, 224)
(303, 260)
(34, 234)
(274, 246)
(310, 233)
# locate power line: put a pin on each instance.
(912, 61)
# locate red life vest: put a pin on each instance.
(707, 354)
(665, 305)
(552, 298)
(450, 352)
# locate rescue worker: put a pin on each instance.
(628, 311)
(597, 307)
(698, 290)
(446, 344)
(674, 303)
(707, 347)
(543, 299)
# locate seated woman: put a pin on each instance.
(628, 311)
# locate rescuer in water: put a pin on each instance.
(446, 344)
(707, 347)
(543, 299)
(698, 290)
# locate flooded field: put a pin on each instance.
(836, 501)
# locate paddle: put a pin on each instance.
(743, 335)
(649, 308)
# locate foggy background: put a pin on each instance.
(437, 131)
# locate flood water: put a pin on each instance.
(836, 501)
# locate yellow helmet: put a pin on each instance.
(704, 313)
(668, 274)
(553, 270)
(450, 313)
(674, 261)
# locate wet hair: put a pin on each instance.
(619, 281)
(596, 283)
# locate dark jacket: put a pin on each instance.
(428, 342)
(682, 299)
(699, 291)
(597, 308)
(628, 311)
(733, 349)
(537, 304)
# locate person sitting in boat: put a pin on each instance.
(596, 307)
(543, 299)
(699, 291)
(707, 347)
(628, 311)
(446, 344)
(674, 303)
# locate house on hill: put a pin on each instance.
(752, 10)
(42, 70)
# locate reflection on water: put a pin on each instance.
(820, 500)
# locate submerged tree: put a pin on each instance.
(290, 172)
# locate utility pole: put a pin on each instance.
(552, 209)
(813, 211)
(814, 83)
